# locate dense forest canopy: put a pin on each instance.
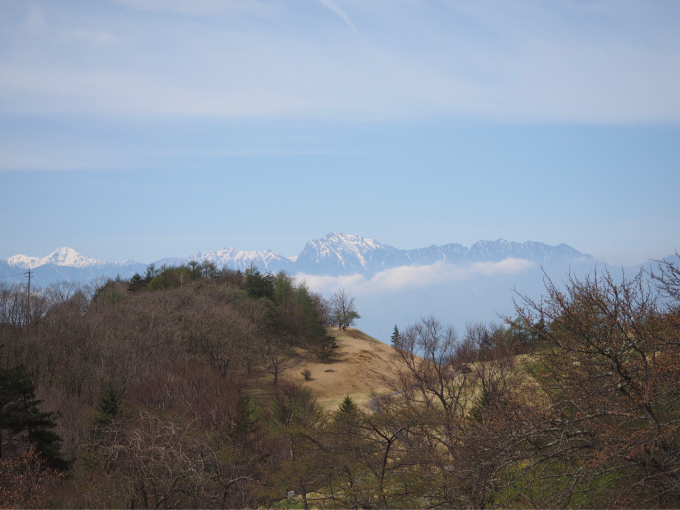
(139, 394)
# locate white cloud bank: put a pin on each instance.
(405, 277)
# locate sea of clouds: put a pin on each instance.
(408, 277)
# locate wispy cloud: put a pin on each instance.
(333, 7)
(200, 7)
(602, 62)
(405, 277)
(95, 37)
(37, 25)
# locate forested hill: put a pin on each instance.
(197, 387)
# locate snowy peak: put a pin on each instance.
(65, 257)
(344, 247)
(235, 259)
(125, 263)
(338, 253)
(356, 243)
(70, 258)
(24, 262)
(241, 259)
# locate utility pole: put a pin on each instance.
(28, 274)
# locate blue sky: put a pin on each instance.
(150, 128)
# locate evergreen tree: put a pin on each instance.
(109, 405)
(209, 269)
(347, 406)
(22, 422)
(259, 285)
(136, 283)
(195, 272)
(395, 336)
(150, 273)
(245, 419)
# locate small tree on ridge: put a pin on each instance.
(343, 311)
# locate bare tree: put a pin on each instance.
(343, 311)
(424, 371)
(457, 388)
(609, 374)
(276, 356)
(62, 292)
(667, 279)
(14, 305)
(24, 480)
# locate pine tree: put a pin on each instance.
(108, 407)
(259, 285)
(395, 336)
(245, 419)
(150, 274)
(136, 283)
(195, 272)
(347, 406)
(22, 422)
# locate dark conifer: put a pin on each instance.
(136, 283)
(22, 422)
(395, 336)
(348, 406)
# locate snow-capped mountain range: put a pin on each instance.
(64, 257)
(341, 254)
(234, 259)
(334, 254)
(67, 257)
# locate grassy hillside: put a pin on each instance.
(357, 367)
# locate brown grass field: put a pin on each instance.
(357, 367)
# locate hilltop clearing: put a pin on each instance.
(357, 367)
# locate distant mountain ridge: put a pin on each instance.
(338, 254)
(334, 254)
(235, 259)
